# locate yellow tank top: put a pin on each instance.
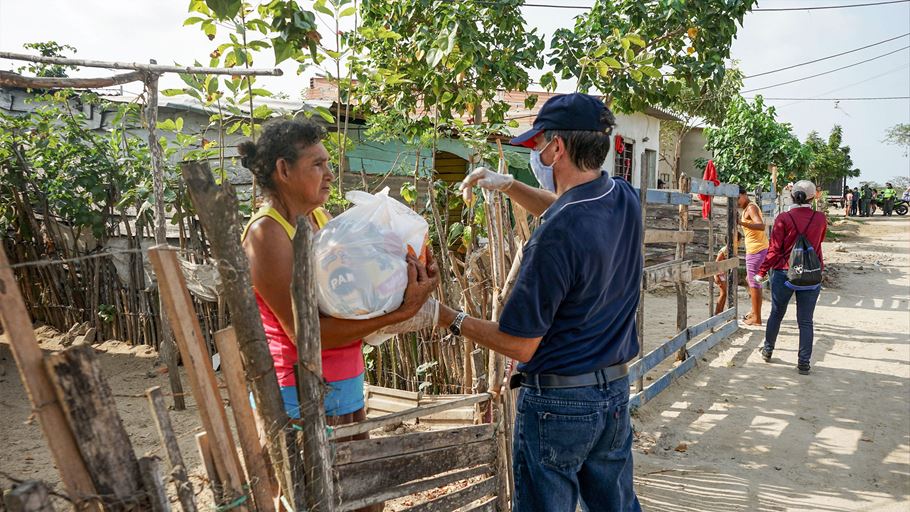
(756, 239)
(319, 215)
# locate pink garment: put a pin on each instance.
(710, 175)
(337, 363)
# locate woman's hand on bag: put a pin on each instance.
(422, 281)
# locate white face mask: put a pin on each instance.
(543, 173)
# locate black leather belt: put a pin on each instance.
(548, 380)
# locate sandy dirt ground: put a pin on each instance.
(756, 436)
(741, 434)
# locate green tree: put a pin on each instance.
(641, 54)
(830, 159)
(48, 49)
(426, 63)
(750, 140)
(899, 135)
(708, 105)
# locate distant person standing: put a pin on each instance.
(801, 219)
(888, 195)
(854, 207)
(756, 249)
(872, 204)
(866, 200)
(848, 203)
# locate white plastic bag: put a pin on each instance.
(361, 270)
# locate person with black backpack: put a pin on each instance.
(795, 264)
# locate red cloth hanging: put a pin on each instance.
(710, 175)
(619, 145)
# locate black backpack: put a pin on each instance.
(805, 265)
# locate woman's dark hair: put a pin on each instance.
(279, 139)
(799, 197)
(587, 149)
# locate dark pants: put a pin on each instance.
(805, 311)
(888, 206)
(574, 443)
(854, 206)
(866, 206)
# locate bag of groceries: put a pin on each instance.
(361, 270)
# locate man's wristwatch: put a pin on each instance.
(455, 328)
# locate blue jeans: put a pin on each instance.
(573, 443)
(805, 311)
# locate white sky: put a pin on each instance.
(138, 30)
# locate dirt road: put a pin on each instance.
(741, 434)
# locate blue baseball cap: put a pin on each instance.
(575, 111)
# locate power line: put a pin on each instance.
(867, 98)
(828, 7)
(827, 72)
(826, 58)
(778, 9)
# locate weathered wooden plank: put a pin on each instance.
(218, 211)
(188, 335)
(208, 462)
(659, 236)
(365, 478)
(656, 356)
(655, 196)
(320, 496)
(458, 499)
(700, 186)
(383, 391)
(88, 404)
(353, 429)
(640, 311)
(716, 320)
(171, 449)
(675, 271)
(30, 496)
(484, 506)
(697, 350)
(415, 487)
(639, 399)
(258, 467)
(712, 268)
(359, 451)
(41, 394)
(153, 485)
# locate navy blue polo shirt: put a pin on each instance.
(579, 281)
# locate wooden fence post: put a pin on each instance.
(180, 310)
(733, 274)
(219, 214)
(262, 481)
(317, 463)
(89, 407)
(682, 294)
(171, 449)
(640, 315)
(30, 361)
(168, 348)
(153, 485)
(711, 256)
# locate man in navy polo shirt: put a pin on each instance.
(570, 319)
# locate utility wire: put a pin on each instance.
(826, 58)
(867, 98)
(778, 9)
(827, 72)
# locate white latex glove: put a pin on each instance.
(486, 179)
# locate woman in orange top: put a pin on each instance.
(756, 250)
(291, 166)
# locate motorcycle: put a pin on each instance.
(901, 206)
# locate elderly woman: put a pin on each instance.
(291, 165)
